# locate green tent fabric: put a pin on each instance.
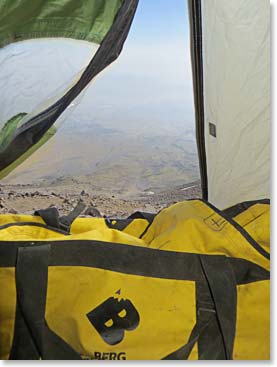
(88, 20)
(104, 22)
(8, 130)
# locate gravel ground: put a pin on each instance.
(28, 198)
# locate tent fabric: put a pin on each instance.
(232, 83)
(33, 129)
(27, 65)
(187, 283)
(35, 73)
(87, 20)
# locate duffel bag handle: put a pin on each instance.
(33, 339)
(52, 219)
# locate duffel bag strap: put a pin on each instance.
(52, 219)
(50, 216)
(33, 339)
(200, 327)
(143, 215)
(66, 220)
(222, 284)
(215, 327)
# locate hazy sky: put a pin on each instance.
(147, 88)
(150, 84)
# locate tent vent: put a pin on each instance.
(212, 129)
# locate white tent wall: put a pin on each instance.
(36, 72)
(236, 77)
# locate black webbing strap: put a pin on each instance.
(50, 216)
(222, 284)
(32, 337)
(215, 327)
(200, 326)
(23, 346)
(66, 220)
(52, 219)
(143, 215)
(121, 224)
(237, 209)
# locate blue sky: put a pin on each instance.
(157, 19)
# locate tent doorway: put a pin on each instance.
(131, 135)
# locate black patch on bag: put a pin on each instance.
(112, 317)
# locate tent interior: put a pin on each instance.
(231, 87)
(137, 104)
(191, 281)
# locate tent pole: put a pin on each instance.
(194, 7)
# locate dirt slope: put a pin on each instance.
(65, 195)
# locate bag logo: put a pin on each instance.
(111, 356)
(113, 317)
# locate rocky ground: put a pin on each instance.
(28, 198)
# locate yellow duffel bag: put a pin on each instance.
(191, 282)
